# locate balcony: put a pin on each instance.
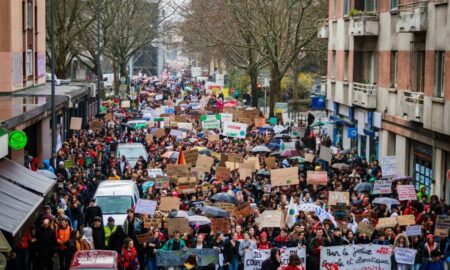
(364, 24)
(412, 17)
(365, 95)
(323, 85)
(323, 30)
(411, 107)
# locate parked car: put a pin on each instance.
(96, 259)
(115, 197)
(48, 78)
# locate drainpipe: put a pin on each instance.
(433, 166)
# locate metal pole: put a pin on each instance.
(98, 56)
(53, 67)
(265, 100)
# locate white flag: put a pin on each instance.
(291, 213)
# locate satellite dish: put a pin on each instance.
(2, 262)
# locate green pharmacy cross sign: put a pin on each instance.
(17, 139)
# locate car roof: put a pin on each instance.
(129, 145)
(94, 259)
(116, 188)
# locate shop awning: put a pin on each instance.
(16, 205)
(341, 121)
(32, 181)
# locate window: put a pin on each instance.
(370, 5)
(346, 66)
(439, 75)
(393, 70)
(346, 7)
(333, 65)
(29, 15)
(394, 4)
(29, 63)
(335, 8)
(420, 71)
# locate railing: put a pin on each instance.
(422, 5)
(440, 1)
(413, 97)
(323, 79)
(370, 89)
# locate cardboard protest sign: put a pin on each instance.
(152, 223)
(366, 228)
(169, 203)
(406, 220)
(414, 230)
(178, 224)
(271, 219)
(204, 164)
(309, 157)
(317, 178)
(243, 210)
(284, 177)
(145, 207)
(149, 138)
(221, 225)
(249, 166)
(190, 156)
(260, 122)
(159, 133)
(222, 174)
(270, 162)
(125, 104)
(142, 238)
(382, 187)
(388, 165)
(232, 165)
(335, 197)
(406, 193)
(96, 125)
(405, 255)
(155, 172)
(185, 126)
(388, 222)
(233, 157)
(229, 207)
(187, 185)
(325, 153)
(253, 160)
(442, 226)
(356, 257)
(75, 123)
(214, 137)
(179, 134)
(178, 170)
(244, 173)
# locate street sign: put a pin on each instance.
(352, 133)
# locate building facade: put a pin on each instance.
(388, 83)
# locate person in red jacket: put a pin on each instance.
(129, 255)
(263, 243)
(282, 239)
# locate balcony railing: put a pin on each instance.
(365, 95)
(323, 29)
(370, 89)
(413, 97)
(421, 5)
(413, 17)
(412, 106)
(364, 24)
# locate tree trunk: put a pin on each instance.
(275, 89)
(295, 90)
(253, 74)
(116, 79)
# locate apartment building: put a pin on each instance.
(388, 83)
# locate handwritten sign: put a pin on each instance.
(187, 185)
(271, 219)
(75, 123)
(152, 223)
(221, 225)
(309, 157)
(366, 229)
(145, 207)
(234, 130)
(406, 193)
(382, 187)
(142, 238)
(161, 182)
(413, 230)
(388, 165)
(159, 133)
(284, 177)
(254, 258)
(270, 162)
(406, 220)
(325, 153)
(125, 104)
(442, 226)
(96, 125)
(254, 161)
(169, 203)
(178, 224)
(204, 163)
(178, 170)
(191, 156)
(335, 197)
(243, 210)
(260, 122)
(356, 257)
(405, 255)
(388, 222)
(244, 173)
(229, 207)
(223, 174)
(205, 257)
(238, 158)
(316, 178)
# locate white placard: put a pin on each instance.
(145, 207)
(226, 117)
(356, 257)
(255, 257)
(405, 255)
(235, 130)
(389, 165)
(186, 126)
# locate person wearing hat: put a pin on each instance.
(263, 242)
(61, 170)
(109, 229)
(98, 233)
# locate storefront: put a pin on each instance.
(422, 165)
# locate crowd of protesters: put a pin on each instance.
(72, 222)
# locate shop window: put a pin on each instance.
(422, 166)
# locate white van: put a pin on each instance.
(115, 197)
(132, 152)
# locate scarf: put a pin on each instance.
(87, 236)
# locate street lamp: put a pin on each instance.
(98, 56)
(52, 53)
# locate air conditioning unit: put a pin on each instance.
(93, 90)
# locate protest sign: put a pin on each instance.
(178, 170)
(125, 104)
(405, 255)
(142, 238)
(159, 133)
(271, 219)
(413, 230)
(169, 203)
(254, 161)
(406, 193)
(226, 117)
(244, 173)
(232, 165)
(178, 224)
(222, 174)
(185, 126)
(205, 257)
(145, 207)
(161, 182)
(204, 164)
(190, 156)
(388, 165)
(284, 177)
(75, 123)
(335, 197)
(155, 172)
(234, 130)
(406, 220)
(442, 226)
(243, 210)
(149, 138)
(325, 153)
(187, 185)
(388, 222)
(233, 157)
(96, 125)
(214, 137)
(229, 207)
(254, 258)
(309, 157)
(356, 257)
(69, 163)
(270, 162)
(221, 225)
(260, 122)
(382, 187)
(152, 223)
(179, 134)
(211, 124)
(366, 229)
(317, 178)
